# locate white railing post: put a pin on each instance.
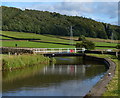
(75, 50)
(83, 50)
(68, 50)
(116, 54)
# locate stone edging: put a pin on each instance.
(100, 87)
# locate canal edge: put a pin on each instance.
(100, 87)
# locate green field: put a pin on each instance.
(42, 41)
(4, 37)
(34, 36)
(104, 44)
(33, 44)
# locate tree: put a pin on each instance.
(44, 22)
(118, 46)
(81, 38)
(86, 44)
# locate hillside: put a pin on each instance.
(40, 22)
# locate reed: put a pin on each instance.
(22, 61)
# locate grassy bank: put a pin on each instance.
(22, 61)
(112, 87)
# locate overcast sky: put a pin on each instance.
(100, 11)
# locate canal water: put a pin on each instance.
(69, 76)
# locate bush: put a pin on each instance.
(118, 46)
(81, 38)
(86, 44)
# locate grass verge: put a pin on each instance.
(22, 61)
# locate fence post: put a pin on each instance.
(9, 53)
(75, 50)
(83, 50)
(102, 52)
(68, 50)
(116, 54)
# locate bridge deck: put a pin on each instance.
(63, 54)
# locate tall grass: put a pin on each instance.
(21, 61)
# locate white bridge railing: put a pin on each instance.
(57, 50)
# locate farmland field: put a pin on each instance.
(22, 39)
(33, 44)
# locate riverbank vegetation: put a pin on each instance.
(112, 87)
(10, 62)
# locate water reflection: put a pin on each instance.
(69, 76)
(64, 69)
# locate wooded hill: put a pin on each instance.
(44, 22)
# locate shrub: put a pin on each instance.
(118, 46)
(86, 44)
(81, 38)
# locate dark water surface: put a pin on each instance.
(70, 76)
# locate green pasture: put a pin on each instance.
(103, 48)
(44, 41)
(4, 37)
(34, 36)
(39, 45)
(104, 44)
(33, 44)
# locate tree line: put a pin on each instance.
(44, 22)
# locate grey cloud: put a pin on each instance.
(79, 8)
(88, 9)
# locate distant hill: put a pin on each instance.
(44, 22)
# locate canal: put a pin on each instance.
(69, 76)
